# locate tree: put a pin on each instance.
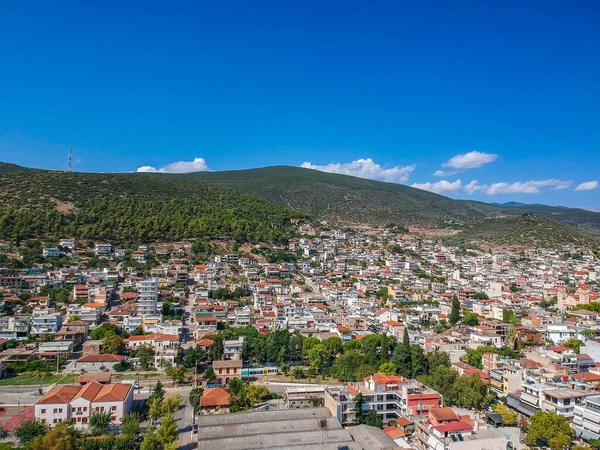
(99, 421)
(419, 363)
(345, 366)
(454, 316)
(254, 394)
(589, 334)
(523, 424)
(470, 319)
(389, 368)
(112, 345)
(372, 420)
(402, 357)
(130, 424)
(549, 429)
(209, 374)
(509, 417)
(177, 374)
(167, 432)
(573, 343)
(103, 331)
(508, 316)
(171, 404)
(151, 440)
(195, 395)
(235, 386)
(30, 429)
(62, 437)
(319, 357)
(154, 409)
(438, 358)
(157, 392)
(471, 392)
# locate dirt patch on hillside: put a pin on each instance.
(63, 206)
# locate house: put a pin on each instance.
(98, 362)
(76, 403)
(225, 371)
(215, 398)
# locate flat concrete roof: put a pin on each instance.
(283, 429)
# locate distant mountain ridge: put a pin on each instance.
(340, 199)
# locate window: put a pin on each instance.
(113, 418)
(55, 410)
(85, 408)
(60, 410)
(114, 408)
(42, 411)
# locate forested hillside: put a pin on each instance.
(131, 207)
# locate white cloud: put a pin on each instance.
(519, 187)
(470, 160)
(440, 187)
(365, 168)
(444, 173)
(472, 187)
(587, 186)
(197, 165)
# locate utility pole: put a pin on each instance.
(70, 160)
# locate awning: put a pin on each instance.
(520, 406)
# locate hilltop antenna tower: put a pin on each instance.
(70, 160)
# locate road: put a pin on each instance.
(184, 418)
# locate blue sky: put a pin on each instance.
(387, 90)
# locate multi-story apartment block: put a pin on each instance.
(147, 298)
(393, 396)
(50, 252)
(586, 418)
(89, 313)
(15, 327)
(45, 321)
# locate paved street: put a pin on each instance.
(184, 417)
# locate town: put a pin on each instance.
(361, 338)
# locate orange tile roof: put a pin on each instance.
(443, 414)
(89, 391)
(59, 395)
(215, 397)
(113, 392)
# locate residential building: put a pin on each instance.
(76, 403)
(45, 321)
(15, 327)
(147, 298)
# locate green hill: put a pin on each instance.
(349, 199)
(255, 205)
(522, 231)
(356, 200)
(131, 207)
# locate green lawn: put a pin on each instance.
(34, 380)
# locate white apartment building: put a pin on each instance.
(45, 321)
(90, 314)
(586, 418)
(147, 298)
(14, 327)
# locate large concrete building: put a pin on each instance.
(292, 429)
(147, 298)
